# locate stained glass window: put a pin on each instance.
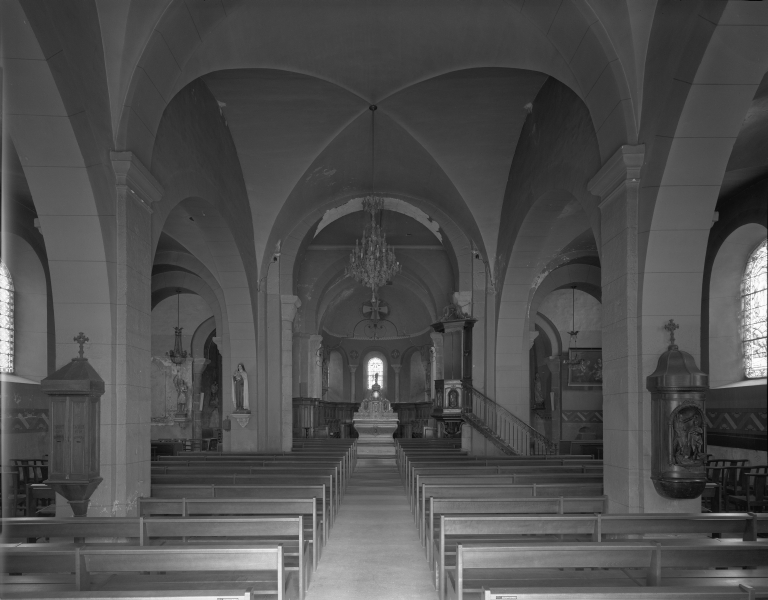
(6, 320)
(754, 303)
(375, 366)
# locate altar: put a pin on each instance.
(375, 423)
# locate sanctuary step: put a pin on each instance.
(374, 550)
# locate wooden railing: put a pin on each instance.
(503, 428)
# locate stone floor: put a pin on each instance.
(373, 550)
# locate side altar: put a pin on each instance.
(375, 423)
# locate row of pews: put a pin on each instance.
(535, 527)
(215, 526)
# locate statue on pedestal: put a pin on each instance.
(240, 390)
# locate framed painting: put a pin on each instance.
(586, 367)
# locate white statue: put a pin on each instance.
(240, 389)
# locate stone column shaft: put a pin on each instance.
(397, 381)
(617, 184)
(352, 369)
(315, 365)
(290, 305)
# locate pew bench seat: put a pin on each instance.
(35, 568)
(730, 592)
(480, 567)
(218, 594)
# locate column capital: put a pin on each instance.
(290, 305)
(622, 168)
(396, 368)
(352, 368)
(133, 179)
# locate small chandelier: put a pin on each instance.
(177, 355)
(573, 333)
(372, 262)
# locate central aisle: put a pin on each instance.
(374, 550)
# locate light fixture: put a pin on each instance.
(574, 332)
(177, 355)
(372, 262)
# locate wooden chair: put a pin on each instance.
(14, 498)
(726, 473)
(750, 493)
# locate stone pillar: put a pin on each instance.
(397, 368)
(198, 366)
(315, 365)
(352, 369)
(127, 458)
(555, 400)
(617, 184)
(290, 304)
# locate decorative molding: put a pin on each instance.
(582, 416)
(132, 176)
(25, 420)
(744, 421)
(242, 418)
(624, 166)
(290, 305)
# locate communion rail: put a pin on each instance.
(505, 430)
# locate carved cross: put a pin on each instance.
(375, 309)
(81, 339)
(671, 326)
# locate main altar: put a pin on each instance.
(376, 423)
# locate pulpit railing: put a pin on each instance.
(505, 427)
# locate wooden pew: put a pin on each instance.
(541, 474)
(241, 507)
(518, 565)
(207, 567)
(285, 531)
(447, 465)
(343, 461)
(266, 492)
(505, 507)
(258, 476)
(222, 594)
(476, 529)
(288, 531)
(732, 592)
(501, 491)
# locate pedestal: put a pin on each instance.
(375, 423)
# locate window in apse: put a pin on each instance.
(375, 365)
(6, 320)
(754, 300)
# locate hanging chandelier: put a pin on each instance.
(177, 355)
(573, 332)
(372, 262)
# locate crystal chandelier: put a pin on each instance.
(177, 355)
(372, 262)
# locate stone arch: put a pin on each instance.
(513, 36)
(550, 329)
(60, 180)
(726, 362)
(30, 315)
(458, 245)
(542, 234)
(201, 335)
(680, 187)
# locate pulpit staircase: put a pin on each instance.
(503, 429)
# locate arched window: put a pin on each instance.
(754, 300)
(375, 366)
(6, 320)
